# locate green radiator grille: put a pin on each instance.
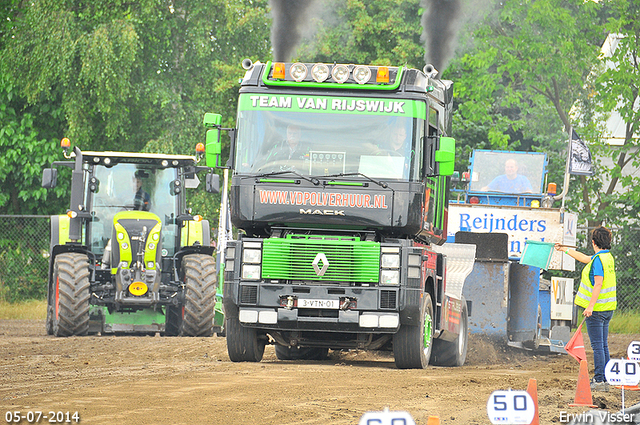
(350, 260)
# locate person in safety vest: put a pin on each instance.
(597, 295)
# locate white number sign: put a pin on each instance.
(633, 352)
(622, 372)
(387, 417)
(510, 407)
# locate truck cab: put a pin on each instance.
(340, 189)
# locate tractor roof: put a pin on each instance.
(138, 158)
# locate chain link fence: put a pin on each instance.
(24, 260)
(24, 257)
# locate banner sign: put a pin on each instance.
(332, 104)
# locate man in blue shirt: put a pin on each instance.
(510, 181)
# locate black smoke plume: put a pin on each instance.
(291, 19)
(441, 23)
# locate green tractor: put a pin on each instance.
(128, 257)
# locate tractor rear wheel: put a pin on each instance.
(70, 295)
(201, 282)
(412, 343)
(173, 320)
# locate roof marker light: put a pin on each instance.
(340, 73)
(278, 70)
(320, 72)
(383, 75)
(362, 74)
(298, 71)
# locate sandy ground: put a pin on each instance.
(161, 380)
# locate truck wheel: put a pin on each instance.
(453, 353)
(173, 320)
(201, 282)
(301, 353)
(243, 344)
(70, 295)
(412, 344)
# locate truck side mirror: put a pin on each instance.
(49, 178)
(212, 184)
(446, 156)
(213, 146)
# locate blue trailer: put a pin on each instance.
(499, 213)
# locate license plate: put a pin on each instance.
(330, 304)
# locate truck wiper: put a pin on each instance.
(379, 183)
(313, 180)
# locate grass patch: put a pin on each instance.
(627, 322)
(24, 310)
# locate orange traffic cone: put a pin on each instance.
(583, 390)
(532, 389)
(433, 420)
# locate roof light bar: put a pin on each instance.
(340, 73)
(362, 74)
(320, 72)
(298, 71)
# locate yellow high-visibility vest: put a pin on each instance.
(607, 297)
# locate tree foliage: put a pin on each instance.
(119, 75)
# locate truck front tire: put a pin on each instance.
(453, 353)
(412, 344)
(243, 343)
(70, 295)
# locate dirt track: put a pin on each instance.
(156, 380)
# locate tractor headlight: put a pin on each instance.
(390, 277)
(250, 272)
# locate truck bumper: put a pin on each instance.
(276, 306)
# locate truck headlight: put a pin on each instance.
(250, 272)
(390, 277)
(390, 261)
(253, 256)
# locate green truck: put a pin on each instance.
(339, 189)
(128, 256)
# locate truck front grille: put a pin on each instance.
(388, 299)
(348, 260)
(248, 294)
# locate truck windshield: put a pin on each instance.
(131, 187)
(327, 143)
(507, 172)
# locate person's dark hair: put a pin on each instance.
(601, 236)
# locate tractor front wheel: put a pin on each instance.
(201, 282)
(69, 301)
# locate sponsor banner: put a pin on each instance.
(318, 199)
(331, 104)
(520, 224)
